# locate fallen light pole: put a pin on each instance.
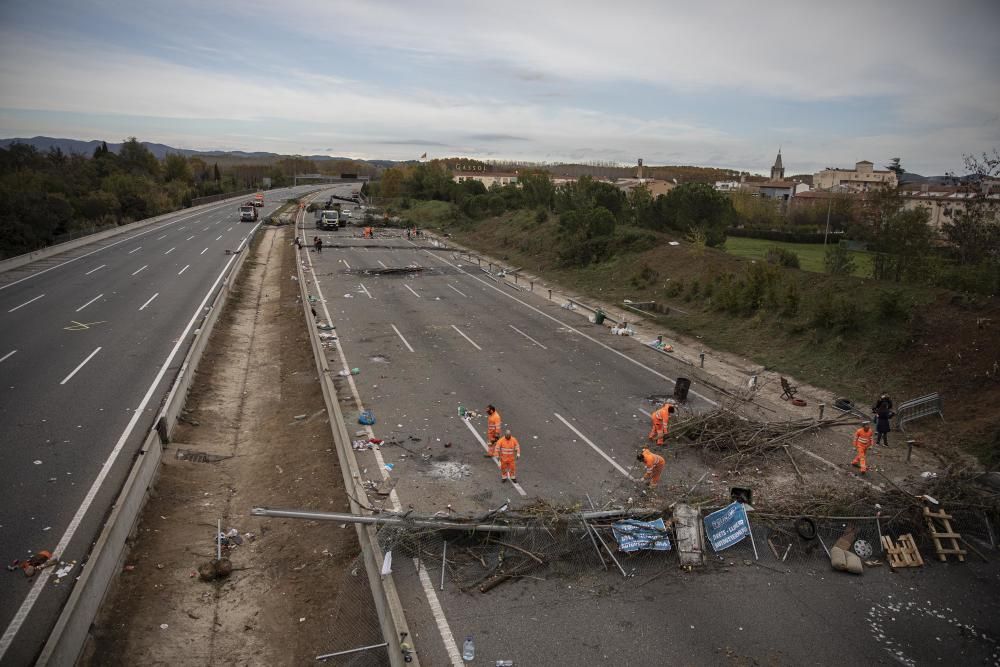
(394, 519)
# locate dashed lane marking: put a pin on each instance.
(411, 291)
(25, 303)
(527, 336)
(593, 446)
(466, 337)
(408, 346)
(89, 302)
(82, 364)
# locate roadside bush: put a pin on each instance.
(782, 257)
(630, 239)
(839, 314)
(891, 305)
(541, 216)
(838, 261)
(674, 288)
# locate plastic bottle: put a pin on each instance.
(468, 649)
(461, 411)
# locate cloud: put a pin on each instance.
(496, 137)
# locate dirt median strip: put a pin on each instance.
(239, 445)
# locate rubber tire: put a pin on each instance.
(806, 528)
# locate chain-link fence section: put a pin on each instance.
(355, 636)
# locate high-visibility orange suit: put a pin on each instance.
(862, 441)
(509, 450)
(661, 423)
(493, 422)
(654, 466)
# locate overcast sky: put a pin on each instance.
(705, 83)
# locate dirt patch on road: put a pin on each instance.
(257, 405)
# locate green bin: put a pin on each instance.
(599, 317)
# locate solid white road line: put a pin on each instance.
(466, 338)
(593, 446)
(25, 303)
(8, 355)
(365, 290)
(527, 336)
(183, 270)
(408, 346)
(203, 251)
(458, 290)
(486, 448)
(411, 291)
(383, 264)
(346, 264)
(97, 269)
(161, 237)
(189, 238)
(136, 250)
(571, 328)
(447, 637)
(142, 268)
(42, 579)
(169, 251)
(82, 364)
(89, 302)
(143, 306)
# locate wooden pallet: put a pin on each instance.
(945, 540)
(905, 554)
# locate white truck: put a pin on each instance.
(248, 212)
(328, 219)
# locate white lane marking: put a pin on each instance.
(97, 269)
(229, 229)
(451, 648)
(383, 264)
(346, 264)
(181, 229)
(411, 291)
(571, 328)
(89, 302)
(203, 251)
(170, 251)
(136, 250)
(218, 237)
(205, 230)
(527, 336)
(183, 270)
(143, 306)
(8, 355)
(432, 599)
(466, 338)
(82, 364)
(593, 446)
(189, 238)
(408, 346)
(486, 448)
(648, 414)
(25, 303)
(142, 268)
(92, 252)
(365, 290)
(42, 579)
(161, 237)
(458, 290)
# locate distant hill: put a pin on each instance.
(159, 150)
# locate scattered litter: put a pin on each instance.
(65, 570)
(301, 416)
(674, 243)
(367, 417)
(164, 626)
(387, 564)
(389, 466)
(348, 296)
(925, 474)
(37, 462)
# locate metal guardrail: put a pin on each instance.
(916, 408)
(211, 199)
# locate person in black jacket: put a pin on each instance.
(883, 403)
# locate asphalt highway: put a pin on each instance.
(441, 334)
(89, 343)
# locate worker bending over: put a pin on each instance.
(654, 466)
(862, 441)
(509, 450)
(493, 422)
(661, 422)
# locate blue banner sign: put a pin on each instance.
(633, 535)
(727, 526)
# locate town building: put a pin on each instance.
(945, 203)
(777, 187)
(489, 179)
(655, 186)
(862, 178)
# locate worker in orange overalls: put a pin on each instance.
(661, 423)
(492, 428)
(654, 466)
(862, 441)
(509, 451)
